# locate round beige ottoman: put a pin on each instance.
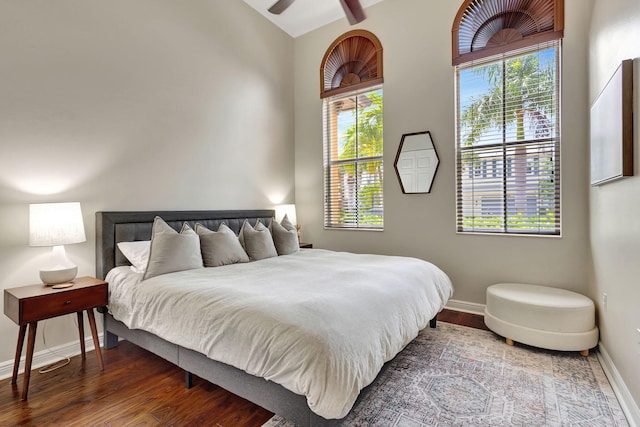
(540, 316)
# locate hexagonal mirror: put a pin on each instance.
(416, 162)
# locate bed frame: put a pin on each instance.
(114, 227)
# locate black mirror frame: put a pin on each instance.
(395, 163)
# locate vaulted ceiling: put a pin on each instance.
(305, 15)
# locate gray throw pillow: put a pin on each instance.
(172, 251)
(285, 236)
(220, 247)
(257, 241)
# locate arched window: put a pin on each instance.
(351, 91)
(353, 61)
(484, 28)
(507, 59)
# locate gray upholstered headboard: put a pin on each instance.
(114, 227)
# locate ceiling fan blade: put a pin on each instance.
(353, 10)
(280, 6)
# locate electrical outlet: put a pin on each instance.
(604, 302)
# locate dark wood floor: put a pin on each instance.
(461, 318)
(136, 388)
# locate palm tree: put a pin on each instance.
(517, 88)
(362, 140)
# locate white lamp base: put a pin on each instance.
(59, 269)
(53, 277)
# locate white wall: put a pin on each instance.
(418, 96)
(615, 207)
(121, 105)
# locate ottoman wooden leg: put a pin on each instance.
(509, 341)
(585, 353)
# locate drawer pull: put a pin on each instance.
(67, 302)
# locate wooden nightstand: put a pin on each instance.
(27, 305)
(306, 245)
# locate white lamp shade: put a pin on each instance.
(289, 211)
(52, 224)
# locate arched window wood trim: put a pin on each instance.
(352, 62)
(484, 28)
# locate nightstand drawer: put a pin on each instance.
(56, 304)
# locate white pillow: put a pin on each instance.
(137, 253)
(257, 242)
(220, 248)
(172, 251)
(285, 236)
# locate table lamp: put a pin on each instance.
(290, 211)
(56, 224)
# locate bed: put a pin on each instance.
(267, 378)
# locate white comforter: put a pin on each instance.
(319, 323)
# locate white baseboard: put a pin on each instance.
(467, 307)
(48, 356)
(628, 404)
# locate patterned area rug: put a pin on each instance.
(459, 376)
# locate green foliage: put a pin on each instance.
(364, 137)
(368, 219)
(363, 140)
(517, 222)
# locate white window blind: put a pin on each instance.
(353, 167)
(508, 143)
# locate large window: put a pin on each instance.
(508, 142)
(353, 169)
(351, 91)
